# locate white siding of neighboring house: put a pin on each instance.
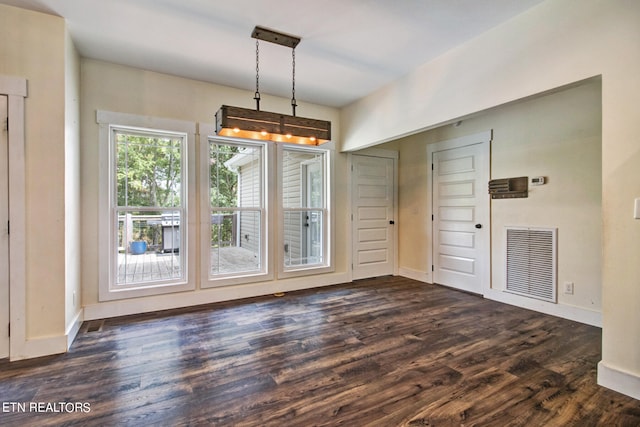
(249, 176)
(292, 198)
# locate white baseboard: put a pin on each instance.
(38, 347)
(577, 314)
(618, 380)
(127, 307)
(74, 327)
(409, 273)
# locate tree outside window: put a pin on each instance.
(149, 204)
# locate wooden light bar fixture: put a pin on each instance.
(254, 124)
(264, 125)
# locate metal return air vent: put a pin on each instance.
(531, 262)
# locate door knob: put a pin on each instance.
(392, 222)
(478, 225)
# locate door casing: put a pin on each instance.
(16, 90)
(4, 228)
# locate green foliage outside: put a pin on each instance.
(223, 191)
(148, 171)
(224, 182)
(149, 175)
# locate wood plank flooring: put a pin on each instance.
(378, 352)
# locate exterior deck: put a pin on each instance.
(147, 267)
(153, 266)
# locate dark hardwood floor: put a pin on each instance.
(379, 352)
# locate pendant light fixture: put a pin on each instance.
(264, 125)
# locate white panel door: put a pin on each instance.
(4, 231)
(373, 223)
(461, 217)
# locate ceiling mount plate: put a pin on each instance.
(276, 37)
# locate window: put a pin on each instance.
(305, 209)
(237, 206)
(148, 209)
(147, 218)
(144, 218)
(236, 210)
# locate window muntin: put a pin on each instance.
(149, 207)
(304, 208)
(236, 209)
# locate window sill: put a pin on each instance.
(144, 290)
(239, 279)
(305, 271)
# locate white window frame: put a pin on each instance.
(107, 265)
(327, 266)
(207, 135)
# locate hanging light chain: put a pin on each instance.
(294, 104)
(256, 96)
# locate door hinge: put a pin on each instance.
(351, 217)
(5, 124)
(351, 168)
(9, 330)
(8, 227)
(431, 217)
(431, 166)
(432, 268)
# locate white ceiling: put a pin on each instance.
(349, 48)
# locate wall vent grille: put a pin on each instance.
(531, 262)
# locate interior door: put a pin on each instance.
(373, 222)
(4, 230)
(461, 229)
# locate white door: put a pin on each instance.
(4, 231)
(373, 222)
(461, 229)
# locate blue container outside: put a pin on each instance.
(138, 248)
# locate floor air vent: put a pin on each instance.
(95, 326)
(531, 262)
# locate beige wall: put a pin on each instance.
(106, 86)
(557, 136)
(72, 246)
(32, 46)
(549, 46)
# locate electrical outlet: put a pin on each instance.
(568, 288)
